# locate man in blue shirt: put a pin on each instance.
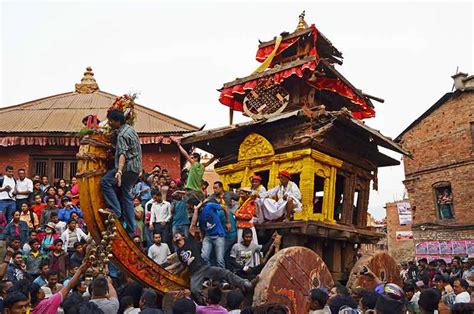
(64, 213)
(179, 210)
(214, 233)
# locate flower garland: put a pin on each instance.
(126, 103)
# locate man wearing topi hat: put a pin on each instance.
(283, 200)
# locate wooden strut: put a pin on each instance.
(87, 156)
(274, 247)
(90, 173)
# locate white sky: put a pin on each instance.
(176, 54)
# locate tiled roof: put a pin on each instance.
(63, 113)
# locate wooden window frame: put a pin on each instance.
(435, 187)
(69, 166)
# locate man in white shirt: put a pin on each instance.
(72, 235)
(160, 216)
(7, 194)
(158, 251)
(283, 200)
(460, 287)
(24, 188)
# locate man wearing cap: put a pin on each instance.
(447, 293)
(245, 214)
(283, 200)
(64, 213)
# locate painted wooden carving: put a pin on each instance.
(92, 164)
(255, 146)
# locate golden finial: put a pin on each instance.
(301, 23)
(88, 84)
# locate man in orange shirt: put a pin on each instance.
(245, 216)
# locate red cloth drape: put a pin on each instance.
(264, 52)
(338, 86)
(227, 94)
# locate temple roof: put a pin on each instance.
(220, 141)
(63, 113)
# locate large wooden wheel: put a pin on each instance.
(384, 266)
(289, 275)
(92, 164)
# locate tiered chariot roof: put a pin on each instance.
(303, 56)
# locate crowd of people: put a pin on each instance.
(210, 233)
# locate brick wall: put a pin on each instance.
(17, 156)
(443, 235)
(442, 148)
(169, 157)
(400, 250)
(422, 196)
(444, 137)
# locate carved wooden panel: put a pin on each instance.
(126, 255)
(255, 146)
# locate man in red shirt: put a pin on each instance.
(38, 206)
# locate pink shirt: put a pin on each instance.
(211, 309)
(49, 306)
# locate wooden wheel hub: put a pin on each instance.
(288, 277)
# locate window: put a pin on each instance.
(472, 134)
(339, 197)
(444, 200)
(265, 175)
(295, 177)
(318, 194)
(234, 187)
(356, 207)
(55, 167)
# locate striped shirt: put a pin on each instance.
(128, 144)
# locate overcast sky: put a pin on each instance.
(176, 54)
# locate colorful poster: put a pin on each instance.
(421, 248)
(445, 247)
(470, 247)
(433, 247)
(459, 247)
(404, 213)
(433, 257)
(404, 235)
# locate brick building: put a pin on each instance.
(42, 135)
(440, 176)
(399, 233)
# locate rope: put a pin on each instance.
(94, 142)
(90, 173)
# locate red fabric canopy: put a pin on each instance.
(337, 86)
(322, 83)
(264, 52)
(227, 94)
